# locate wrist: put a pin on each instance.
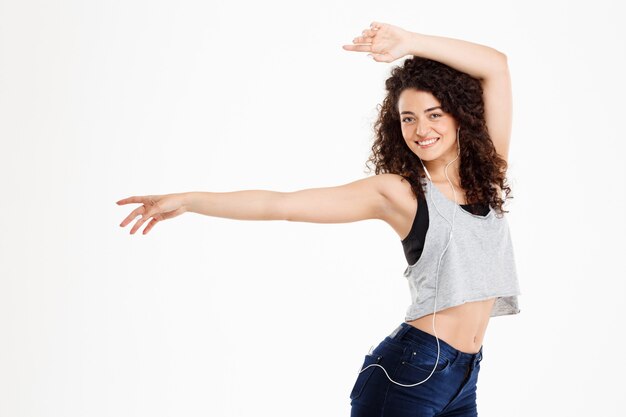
(187, 200)
(413, 41)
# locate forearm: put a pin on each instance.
(239, 205)
(476, 60)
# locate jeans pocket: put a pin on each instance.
(364, 374)
(424, 360)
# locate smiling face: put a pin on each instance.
(421, 119)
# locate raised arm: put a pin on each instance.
(483, 63)
(477, 60)
(386, 43)
(359, 200)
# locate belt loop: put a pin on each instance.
(457, 354)
(477, 358)
(400, 331)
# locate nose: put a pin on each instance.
(418, 129)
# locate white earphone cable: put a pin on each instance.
(440, 258)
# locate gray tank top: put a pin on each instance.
(478, 264)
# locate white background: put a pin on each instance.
(211, 316)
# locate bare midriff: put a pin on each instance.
(462, 327)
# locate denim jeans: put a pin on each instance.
(408, 356)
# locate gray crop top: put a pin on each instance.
(478, 264)
(413, 243)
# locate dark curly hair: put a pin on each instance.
(461, 96)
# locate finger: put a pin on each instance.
(368, 33)
(132, 216)
(162, 216)
(139, 223)
(358, 48)
(150, 226)
(133, 199)
(376, 25)
(153, 211)
(363, 39)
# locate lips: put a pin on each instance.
(429, 144)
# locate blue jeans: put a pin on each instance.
(408, 356)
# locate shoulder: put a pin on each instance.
(400, 201)
(395, 187)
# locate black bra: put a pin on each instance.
(413, 244)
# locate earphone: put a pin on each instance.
(442, 253)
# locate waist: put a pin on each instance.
(463, 326)
(405, 332)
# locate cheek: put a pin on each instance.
(442, 129)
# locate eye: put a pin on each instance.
(406, 118)
(436, 114)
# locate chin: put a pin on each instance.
(427, 158)
(429, 155)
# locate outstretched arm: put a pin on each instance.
(358, 200)
(374, 197)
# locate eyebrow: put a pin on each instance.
(425, 111)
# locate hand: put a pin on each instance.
(385, 42)
(159, 207)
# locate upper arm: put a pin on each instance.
(359, 200)
(497, 97)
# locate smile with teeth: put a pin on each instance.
(427, 142)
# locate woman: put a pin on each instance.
(440, 153)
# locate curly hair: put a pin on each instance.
(461, 96)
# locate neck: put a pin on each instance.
(437, 171)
